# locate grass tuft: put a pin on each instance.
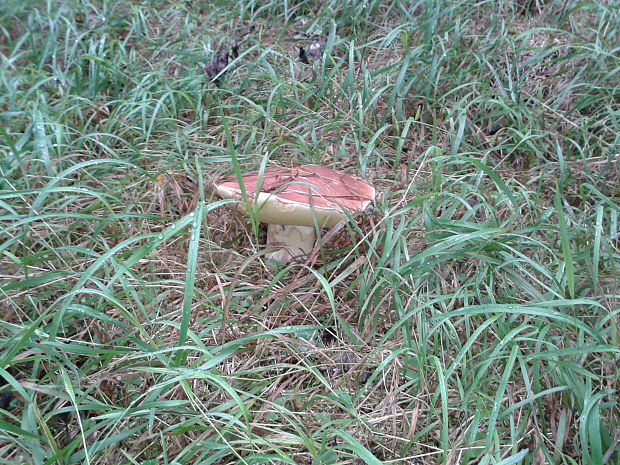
(470, 317)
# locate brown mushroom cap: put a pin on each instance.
(294, 195)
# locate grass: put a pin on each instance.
(470, 318)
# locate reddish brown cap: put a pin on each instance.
(294, 195)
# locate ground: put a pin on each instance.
(469, 317)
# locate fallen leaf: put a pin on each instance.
(303, 57)
(234, 49)
(218, 64)
(316, 49)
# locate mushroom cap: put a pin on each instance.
(295, 195)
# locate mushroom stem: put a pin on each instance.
(296, 242)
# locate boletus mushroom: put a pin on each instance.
(290, 200)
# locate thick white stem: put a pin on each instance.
(296, 242)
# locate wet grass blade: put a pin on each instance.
(565, 242)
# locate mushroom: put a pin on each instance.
(290, 200)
